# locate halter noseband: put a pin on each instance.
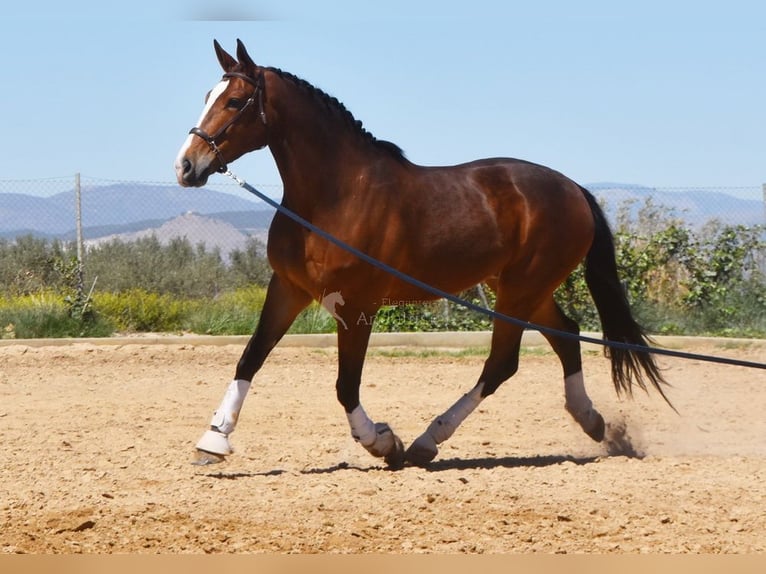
(258, 89)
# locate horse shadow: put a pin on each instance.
(238, 475)
(484, 463)
(510, 462)
(441, 465)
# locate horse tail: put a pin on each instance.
(629, 366)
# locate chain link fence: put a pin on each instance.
(155, 256)
(223, 215)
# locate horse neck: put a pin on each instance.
(313, 147)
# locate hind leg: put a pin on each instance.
(502, 363)
(577, 402)
(377, 438)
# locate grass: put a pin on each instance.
(48, 314)
(45, 315)
(314, 319)
(410, 352)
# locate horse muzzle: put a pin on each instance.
(189, 175)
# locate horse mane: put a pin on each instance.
(332, 104)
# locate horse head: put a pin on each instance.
(233, 121)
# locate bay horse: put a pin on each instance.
(521, 228)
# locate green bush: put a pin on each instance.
(233, 313)
(46, 315)
(136, 310)
(314, 319)
(679, 280)
(177, 268)
(682, 281)
(438, 315)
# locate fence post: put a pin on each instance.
(78, 226)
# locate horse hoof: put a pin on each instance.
(205, 458)
(215, 442)
(597, 428)
(590, 421)
(387, 445)
(395, 458)
(422, 451)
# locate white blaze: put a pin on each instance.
(215, 93)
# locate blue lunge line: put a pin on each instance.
(489, 312)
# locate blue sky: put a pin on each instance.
(664, 94)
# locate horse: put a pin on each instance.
(516, 226)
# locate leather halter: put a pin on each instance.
(257, 95)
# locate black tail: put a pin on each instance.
(617, 322)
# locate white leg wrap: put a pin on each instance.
(216, 439)
(362, 428)
(577, 401)
(377, 438)
(445, 425)
(581, 408)
(424, 448)
(225, 417)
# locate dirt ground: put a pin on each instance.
(98, 443)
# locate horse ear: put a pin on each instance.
(243, 56)
(227, 62)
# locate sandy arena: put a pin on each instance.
(99, 439)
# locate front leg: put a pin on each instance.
(377, 438)
(283, 303)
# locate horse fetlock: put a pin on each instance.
(579, 405)
(224, 422)
(384, 442)
(441, 428)
(226, 415)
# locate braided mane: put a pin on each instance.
(333, 105)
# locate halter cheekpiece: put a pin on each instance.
(257, 95)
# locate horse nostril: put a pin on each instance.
(186, 166)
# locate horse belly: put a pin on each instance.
(455, 254)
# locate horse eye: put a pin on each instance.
(234, 103)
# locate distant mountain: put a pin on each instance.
(695, 207)
(255, 223)
(129, 208)
(212, 232)
(22, 214)
(111, 205)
